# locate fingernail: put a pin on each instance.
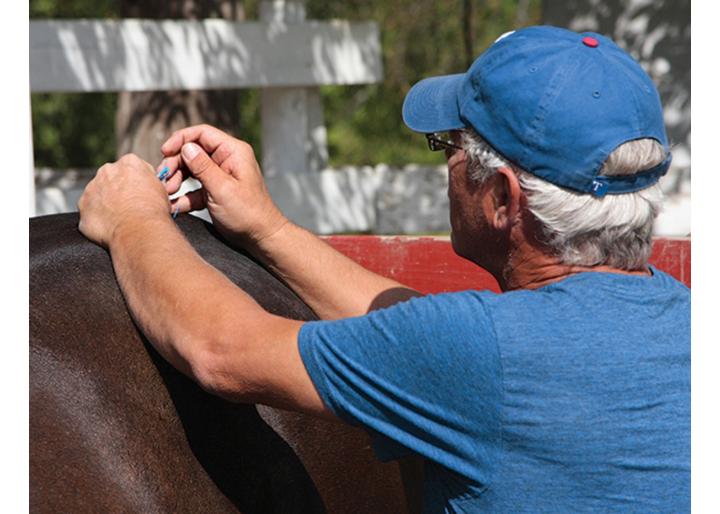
(190, 151)
(163, 173)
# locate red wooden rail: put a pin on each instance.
(429, 264)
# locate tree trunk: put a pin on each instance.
(468, 33)
(145, 120)
(521, 14)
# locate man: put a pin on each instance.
(568, 392)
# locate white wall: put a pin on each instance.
(379, 199)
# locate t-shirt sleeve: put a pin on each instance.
(421, 376)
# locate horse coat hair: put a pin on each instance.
(114, 428)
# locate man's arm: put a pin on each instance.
(333, 285)
(193, 315)
(202, 324)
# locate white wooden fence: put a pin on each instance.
(286, 56)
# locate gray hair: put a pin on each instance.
(581, 229)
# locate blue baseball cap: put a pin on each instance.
(553, 102)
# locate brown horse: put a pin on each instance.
(114, 428)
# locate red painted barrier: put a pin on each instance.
(429, 264)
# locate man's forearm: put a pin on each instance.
(176, 298)
(333, 285)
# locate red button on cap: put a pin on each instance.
(590, 41)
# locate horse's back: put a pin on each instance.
(113, 427)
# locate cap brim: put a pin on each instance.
(431, 105)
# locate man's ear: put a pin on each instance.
(506, 197)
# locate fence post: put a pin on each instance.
(294, 139)
(31, 208)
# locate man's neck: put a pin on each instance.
(528, 268)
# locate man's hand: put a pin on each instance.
(233, 189)
(235, 194)
(121, 192)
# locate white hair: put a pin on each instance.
(581, 229)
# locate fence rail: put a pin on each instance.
(285, 55)
(430, 265)
(151, 55)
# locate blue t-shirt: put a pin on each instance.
(570, 398)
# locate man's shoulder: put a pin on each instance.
(587, 301)
(457, 301)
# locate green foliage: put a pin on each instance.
(419, 38)
(249, 108)
(74, 8)
(74, 130)
(365, 127)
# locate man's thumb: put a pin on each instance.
(201, 165)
